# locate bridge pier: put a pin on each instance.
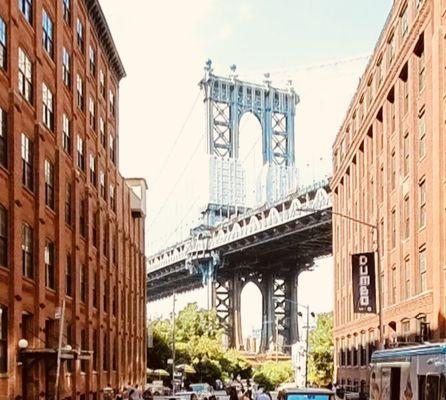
(236, 326)
(268, 313)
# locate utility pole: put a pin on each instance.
(276, 323)
(173, 343)
(307, 344)
(59, 350)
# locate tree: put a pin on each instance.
(198, 342)
(271, 374)
(320, 361)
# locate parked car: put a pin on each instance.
(203, 391)
(306, 394)
(158, 388)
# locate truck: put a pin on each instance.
(409, 373)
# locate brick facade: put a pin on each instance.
(390, 170)
(87, 250)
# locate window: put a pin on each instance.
(95, 349)
(80, 35)
(102, 184)
(112, 198)
(102, 132)
(92, 61)
(49, 184)
(393, 169)
(66, 134)
(393, 228)
(47, 25)
(404, 23)
(3, 138)
(47, 110)
(25, 76)
(102, 83)
(27, 251)
(394, 285)
(390, 50)
(69, 276)
(404, 76)
(106, 295)
(94, 228)
(95, 292)
(27, 162)
(66, 67)
(112, 102)
(379, 76)
(391, 123)
(84, 346)
(92, 110)
(421, 135)
(105, 353)
(80, 92)
(26, 7)
(407, 278)
(422, 267)
(406, 150)
(421, 70)
(111, 144)
(3, 47)
(82, 217)
(3, 237)
(405, 330)
(432, 391)
(68, 204)
(422, 203)
(49, 265)
(66, 6)
(80, 153)
(406, 217)
(83, 279)
(3, 339)
(92, 169)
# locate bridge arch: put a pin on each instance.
(251, 314)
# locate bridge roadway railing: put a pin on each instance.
(295, 206)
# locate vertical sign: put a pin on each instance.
(363, 279)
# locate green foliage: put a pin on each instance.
(198, 342)
(269, 375)
(320, 362)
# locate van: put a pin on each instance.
(409, 373)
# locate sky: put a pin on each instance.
(321, 45)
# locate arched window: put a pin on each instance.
(3, 237)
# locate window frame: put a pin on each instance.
(3, 44)
(49, 184)
(47, 33)
(50, 264)
(25, 72)
(3, 236)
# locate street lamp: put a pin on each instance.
(375, 228)
(307, 308)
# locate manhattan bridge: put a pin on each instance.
(269, 245)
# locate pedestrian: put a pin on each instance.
(247, 395)
(147, 395)
(233, 393)
(119, 395)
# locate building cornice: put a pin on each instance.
(105, 37)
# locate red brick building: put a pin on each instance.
(71, 228)
(390, 170)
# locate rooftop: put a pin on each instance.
(104, 34)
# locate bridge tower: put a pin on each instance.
(226, 100)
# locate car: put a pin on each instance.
(158, 388)
(306, 394)
(185, 395)
(203, 391)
